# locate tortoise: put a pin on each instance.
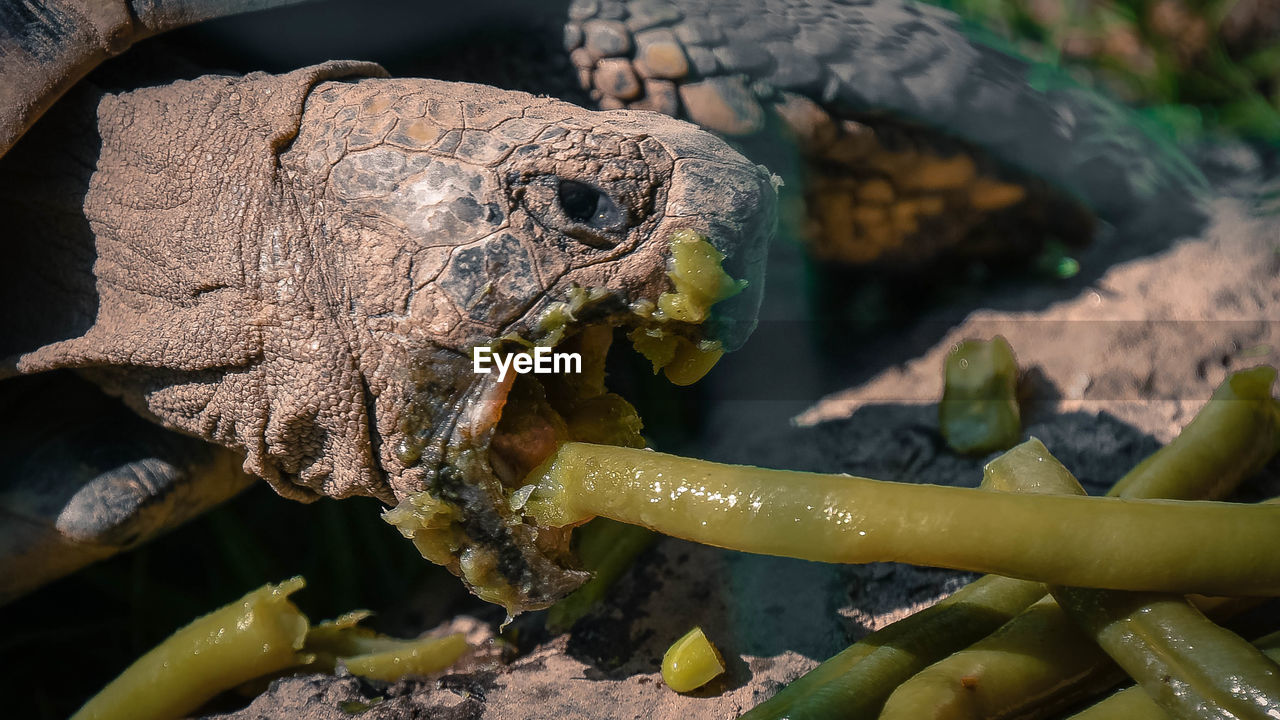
(291, 270)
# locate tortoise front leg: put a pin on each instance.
(89, 479)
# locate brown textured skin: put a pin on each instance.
(297, 267)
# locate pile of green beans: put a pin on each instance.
(1032, 663)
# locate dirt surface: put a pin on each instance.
(1148, 342)
(1113, 368)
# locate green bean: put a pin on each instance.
(691, 662)
(1228, 441)
(1029, 468)
(1009, 673)
(1135, 704)
(1095, 542)
(343, 637)
(371, 654)
(1129, 704)
(259, 634)
(1225, 443)
(979, 409)
(1190, 666)
(607, 549)
(409, 657)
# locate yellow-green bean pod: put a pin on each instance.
(1135, 704)
(373, 655)
(1191, 667)
(1009, 673)
(257, 635)
(606, 548)
(1228, 441)
(409, 657)
(691, 662)
(979, 409)
(1183, 547)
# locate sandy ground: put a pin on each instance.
(1115, 364)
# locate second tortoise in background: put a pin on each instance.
(909, 142)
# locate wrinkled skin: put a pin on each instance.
(297, 267)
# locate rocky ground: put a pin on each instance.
(1115, 362)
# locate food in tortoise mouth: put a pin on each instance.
(531, 417)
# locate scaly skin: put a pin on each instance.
(297, 267)
(914, 140)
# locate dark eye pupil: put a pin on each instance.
(580, 201)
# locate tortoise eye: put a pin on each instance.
(585, 204)
(575, 209)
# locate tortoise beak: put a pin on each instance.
(735, 207)
(733, 320)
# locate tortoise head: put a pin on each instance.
(301, 268)
(464, 220)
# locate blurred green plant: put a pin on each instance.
(1192, 65)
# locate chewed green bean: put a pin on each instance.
(259, 634)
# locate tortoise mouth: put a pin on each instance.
(470, 519)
